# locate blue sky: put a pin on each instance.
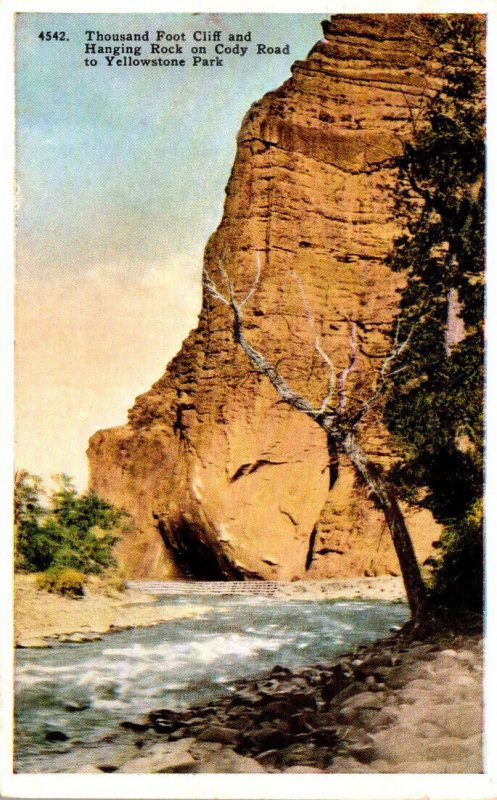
(125, 165)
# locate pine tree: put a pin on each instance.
(436, 404)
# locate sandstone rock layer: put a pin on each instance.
(221, 478)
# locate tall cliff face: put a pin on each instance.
(221, 478)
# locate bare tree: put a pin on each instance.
(339, 423)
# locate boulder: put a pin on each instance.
(225, 760)
(167, 757)
(218, 733)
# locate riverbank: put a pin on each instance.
(389, 588)
(42, 619)
(396, 706)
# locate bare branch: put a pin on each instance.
(342, 380)
(286, 393)
(212, 288)
(284, 390)
(255, 282)
(262, 364)
(214, 291)
(397, 351)
(318, 348)
(226, 277)
(386, 372)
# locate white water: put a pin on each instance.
(178, 663)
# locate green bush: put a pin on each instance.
(458, 573)
(62, 580)
(115, 580)
(75, 531)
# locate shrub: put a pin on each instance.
(62, 580)
(77, 531)
(458, 574)
(115, 580)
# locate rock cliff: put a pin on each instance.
(221, 478)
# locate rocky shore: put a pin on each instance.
(395, 706)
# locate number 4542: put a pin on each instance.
(47, 36)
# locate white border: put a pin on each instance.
(287, 787)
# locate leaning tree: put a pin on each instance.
(339, 418)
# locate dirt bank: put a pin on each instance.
(41, 618)
(388, 588)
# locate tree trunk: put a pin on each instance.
(386, 500)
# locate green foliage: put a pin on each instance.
(458, 572)
(74, 531)
(63, 580)
(27, 513)
(435, 406)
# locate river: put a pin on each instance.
(85, 690)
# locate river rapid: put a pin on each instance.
(74, 694)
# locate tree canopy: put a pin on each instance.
(435, 406)
(73, 530)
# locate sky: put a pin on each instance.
(120, 181)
